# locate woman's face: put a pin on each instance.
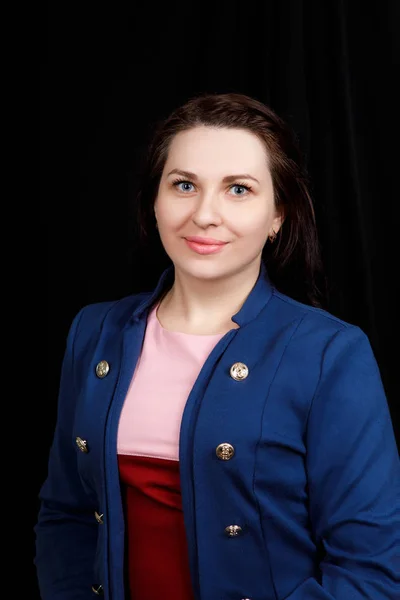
(216, 187)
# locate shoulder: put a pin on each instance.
(340, 352)
(111, 315)
(312, 314)
(322, 328)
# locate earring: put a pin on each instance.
(272, 236)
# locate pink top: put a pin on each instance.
(166, 371)
(148, 459)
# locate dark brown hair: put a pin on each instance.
(293, 261)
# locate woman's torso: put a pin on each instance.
(148, 457)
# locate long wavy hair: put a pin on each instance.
(293, 260)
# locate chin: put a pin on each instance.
(206, 271)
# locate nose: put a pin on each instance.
(207, 211)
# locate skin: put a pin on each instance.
(209, 289)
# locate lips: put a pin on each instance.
(204, 245)
(205, 241)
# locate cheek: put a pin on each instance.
(170, 213)
(251, 223)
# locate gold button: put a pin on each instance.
(82, 444)
(233, 530)
(239, 371)
(99, 518)
(102, 369)
(225, 451)
(98, 589)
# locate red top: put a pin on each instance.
(157, 554)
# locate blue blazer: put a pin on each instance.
(312, 491)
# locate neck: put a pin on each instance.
(206, 306)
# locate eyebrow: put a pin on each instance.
(227, 179)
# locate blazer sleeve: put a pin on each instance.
(66, 530)
(353, 476)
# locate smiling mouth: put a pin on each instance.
(205, 246)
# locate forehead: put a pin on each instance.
(218, 151)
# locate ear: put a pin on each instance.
(278, 220)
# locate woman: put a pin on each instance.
(222, 437)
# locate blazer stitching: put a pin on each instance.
(318, 386)
(313, 400)
(312, 309)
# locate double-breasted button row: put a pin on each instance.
(238, 370)
(102, 369)
(226, 451)
(223, 451)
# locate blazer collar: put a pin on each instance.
(253, 305)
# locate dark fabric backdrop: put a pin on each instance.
(108, 71)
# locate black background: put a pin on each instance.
(109, 71)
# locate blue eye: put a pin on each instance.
(241, 189)
(184, 186)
